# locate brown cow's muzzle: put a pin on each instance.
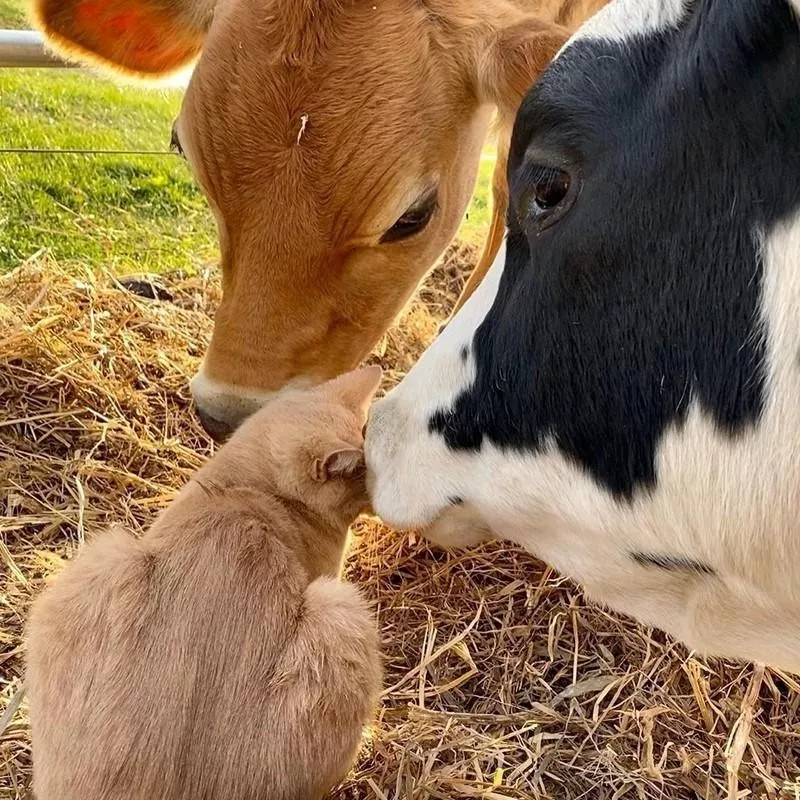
(222, 408)
(219, 431)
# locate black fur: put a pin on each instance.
(645, 297)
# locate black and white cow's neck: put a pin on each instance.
(608, 326)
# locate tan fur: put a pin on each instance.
(571, 14)
(219, 656)
(497, 223)
(396, 95)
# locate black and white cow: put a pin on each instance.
(622, 394)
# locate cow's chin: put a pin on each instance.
(458, 527)
(408, 496)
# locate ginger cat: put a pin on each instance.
(218, 657)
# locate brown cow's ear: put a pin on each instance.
(513, 59)
(148, 38)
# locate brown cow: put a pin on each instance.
(337, 142)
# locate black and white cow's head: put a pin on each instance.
(622, 393)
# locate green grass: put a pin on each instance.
(127, 213)
(124, 212)
(476, 223)
(12, 14)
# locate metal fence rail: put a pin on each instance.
(27, 49)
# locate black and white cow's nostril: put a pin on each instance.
(670, 563)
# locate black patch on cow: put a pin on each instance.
(673, 563)
(464, 354)
(645, 296)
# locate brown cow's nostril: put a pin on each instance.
(218, 430)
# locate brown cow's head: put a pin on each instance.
(337, 142)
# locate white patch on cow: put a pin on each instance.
(397, 420)
(732, 503)
(622, 19)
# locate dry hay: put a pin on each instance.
(502, 682)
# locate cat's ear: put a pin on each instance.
(356, 389)
(341, 461)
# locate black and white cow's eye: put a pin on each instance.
(414, 220)
(549, 193)
(549, 188)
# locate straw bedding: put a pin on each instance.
(501, 680)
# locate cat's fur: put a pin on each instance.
(218, 657)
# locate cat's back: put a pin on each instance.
(144, 655)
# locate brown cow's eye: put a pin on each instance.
(414, 220)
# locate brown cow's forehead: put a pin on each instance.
(342, 107)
